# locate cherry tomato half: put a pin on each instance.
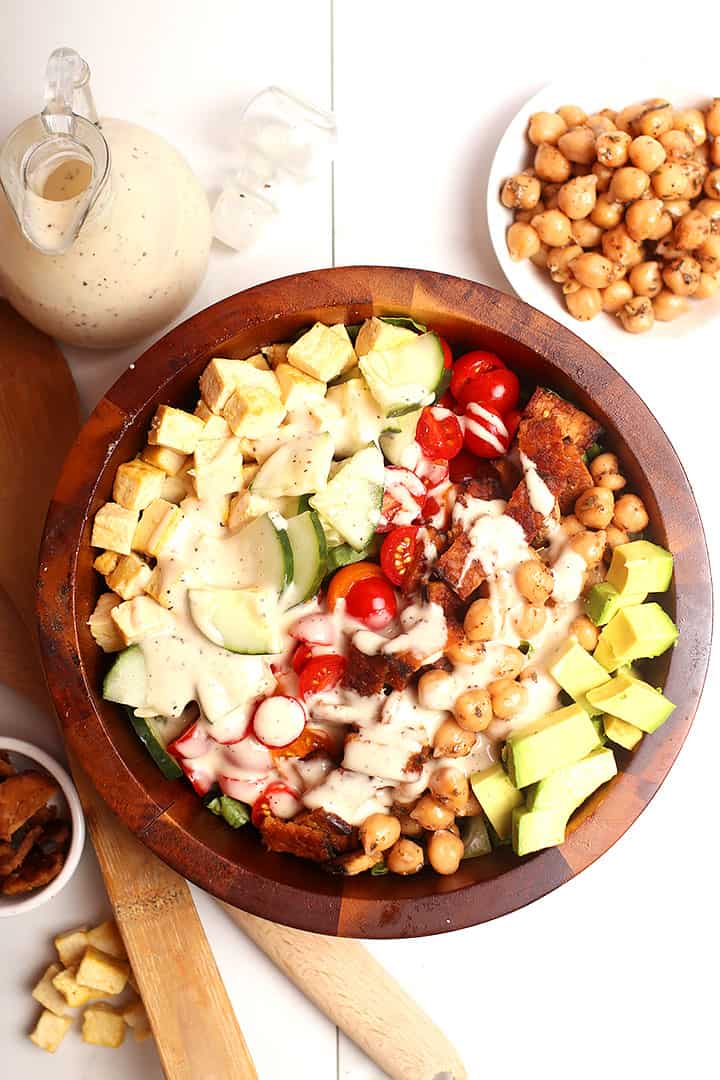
(398, 553)
(372, 602)
(321, 673)
(261, 807)
(512, 422)
(345, 578)
(485, 432)
(469, 367)
(498, 389)
(464, 467)
(438, 433)
(300, 657)
(403, 498)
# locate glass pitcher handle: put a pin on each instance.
(67, 92)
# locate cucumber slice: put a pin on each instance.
(344, 555)
(263, 555)
(352, 501)
(361, 421)
(298, 467)
(240, 620)
(405, 321)
(234, 812)
(394, 443)
(149, 737)
(309, 548)
(125, 681)
(406, 377)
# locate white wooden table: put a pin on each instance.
(615, 974)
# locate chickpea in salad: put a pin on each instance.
(382, 603)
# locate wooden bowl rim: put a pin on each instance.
(392, 911)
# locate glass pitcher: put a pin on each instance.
(104, 230)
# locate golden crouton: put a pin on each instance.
(99, 971)
(47, 994)
(106, 563)
(50, 1031)
(136, 1017)
(102, 627)
(103, 1025)
(106, 937)
(139, 618)
(175, 428)
(156, 527)
(113, 528)
(162, 457)
(137, 484)
(130, 577)
(71, 945)
(65, 982)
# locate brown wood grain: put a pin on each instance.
(234, 867)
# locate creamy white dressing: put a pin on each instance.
(541, 497)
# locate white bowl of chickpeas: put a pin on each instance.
(611, 216)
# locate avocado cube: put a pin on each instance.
(640, 567)
(570, 786)
(498, 798)
(634, 701)
(604, 600)
(533, 830)
(635, 632)
(575, 670)
(548, 744)
(620, 732)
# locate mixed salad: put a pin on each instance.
(381, 602)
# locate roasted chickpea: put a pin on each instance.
(594, 508)
(692, 122)
(692, 230)
(630, 514)
(578, 145)
(646, 279)
(577, 197)
(604, 176)
(615, 537)
(710, 248)
(712, 118)
(709, 285)
(628, 183)
(646, 153)
(452, 741)
(508, 698)
(666, 249)
(436, 689)
(711, 187)
(460, 650)
(589, 545)
(559, 259)
(637, 316)
(432, 814)
(670, 181)
(479, 623)
(584, 304)
(655, 120)
(408, 827)
(642, 218)
(405, 857)
(682, 276)
(695, 174)
(571, 114)
(522, 241)
(530, 621)
(553, 227)
(450, 787)
(676, 207)
(586, 234)
(379, 832)
(607, 213)
(571, 526)
(668, 305)
(526, 216)
(618, 245)
(616, 296)
(551, 164)
(624, 119)
(594, 270)
(521, 192)
(711, 209)
(678, 145)
(612, 148)
(508, 662)
(445, 852)
(534, 580)
(546, 127)
(550, 197)
(585, 632)
(471, 807)
(605, 471)
(715, 152)
(540, 257)
(599, 124)
(473, 710)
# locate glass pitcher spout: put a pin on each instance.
(54, 166)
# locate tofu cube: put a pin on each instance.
(50, 1031)
(258, 361)
(176, 429)
(245, 507)
(65, 982)
(102, 627)
(297, 389)
(47, 994)
(324, 352)
(106, 563)
(203, 410)
(102, 1025)
(223, 376)
(166, 584)
(137, 484)
(216, 427)
(162, 457)
(252, 412)
(276, 354)
(218, 468)
(113, 528)
(130, 577)
(156, 527)
(176, 488)
(140, 618)
(107, 938)
(99, 971)
(377, 335)
(71, 945)
(135, 1016)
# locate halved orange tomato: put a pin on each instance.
(348, 576)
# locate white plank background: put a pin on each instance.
(615, 972)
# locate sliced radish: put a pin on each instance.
(278, 799)
(201, 778)
(403, 498)
(432, 472)
(314, 629)
(279, 720)
(194, 742)
(248, 753)
(246, 787)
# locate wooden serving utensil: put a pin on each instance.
(196, 1030)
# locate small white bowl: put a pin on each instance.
(68, 803)
(514, 153)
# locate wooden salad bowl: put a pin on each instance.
(167, 815)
